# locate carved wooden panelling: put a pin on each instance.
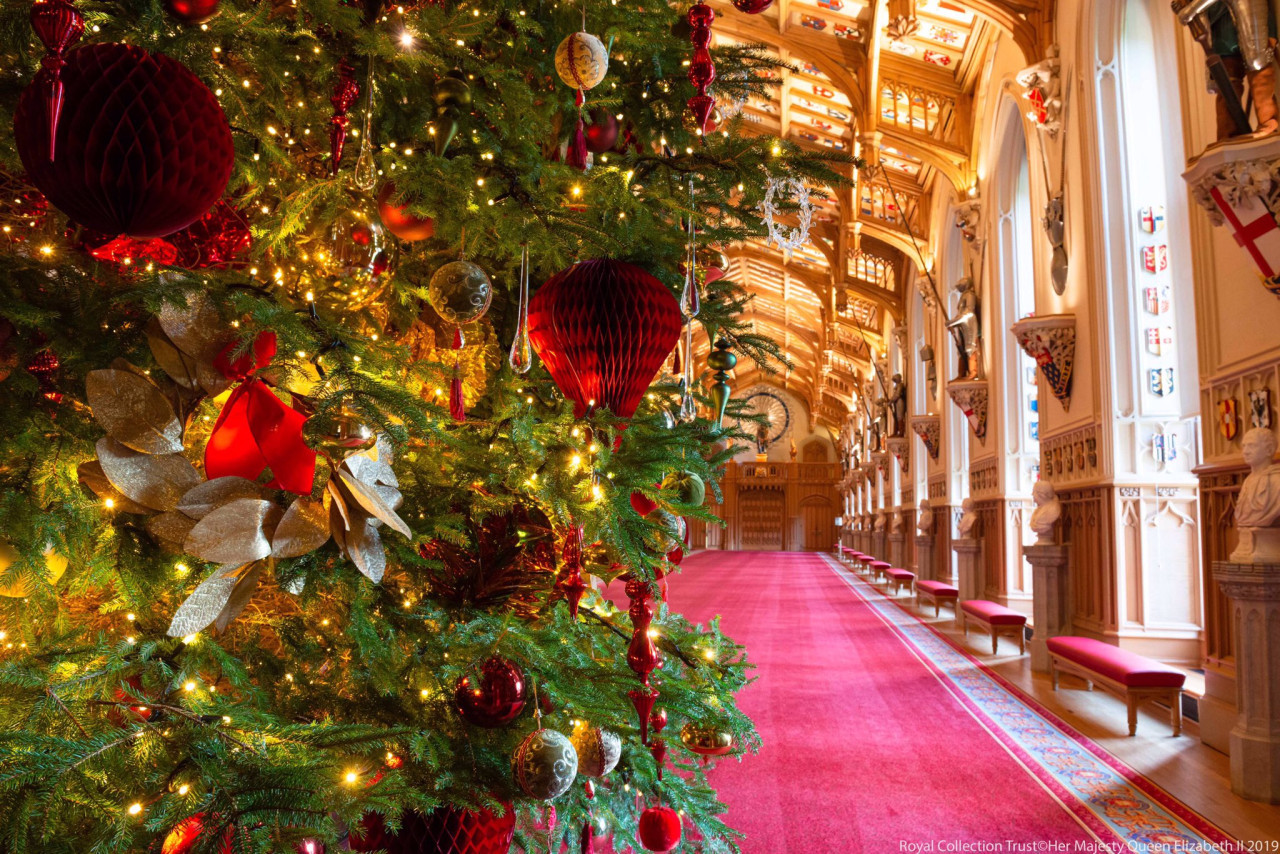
(761, 518)
(1085, 527)
(1070, 457)
(1218, 491)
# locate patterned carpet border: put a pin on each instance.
(1114, 801)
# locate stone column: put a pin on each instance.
(1254, 591)
(1051, 607)
(924, 557)
(969, 557)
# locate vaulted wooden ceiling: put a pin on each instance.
(893, 81)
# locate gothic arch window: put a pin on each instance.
(1013, 297)
(1150, 341)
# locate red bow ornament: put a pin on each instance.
(256, 430)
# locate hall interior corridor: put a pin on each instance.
(885, 729)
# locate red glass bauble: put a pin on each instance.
(218, 239)
(447, 830)
(186, 833)
(643, 504)
(752, 7)
(143, 146)
(192, 11)
(495, 698)
(659, 829)
(602, 133)
(603, 329)
(399, 221)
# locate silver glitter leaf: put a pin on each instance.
(239, 598)
(372, 502)
(157, 481)
(92, 476)
(204, 498)
(180, 367)
(238, 532)
(206, 602)
(364, 547)
(170, 529)
(133, 411)
(304, 528)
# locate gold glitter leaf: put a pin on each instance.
(203, 499)
(157, 481)
(171, 528)
(238, 532)
(180, 367)
(364, 547)
(239, 598)
(304, 528)
(133, 411)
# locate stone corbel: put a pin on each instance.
(972, 397)
(900, 447)
(881, 461)
(969, 221)
(1050, 339)
(1042, 91)
(929, 429)
(1238, 183)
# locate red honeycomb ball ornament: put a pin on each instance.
(493, 699)
(752, 7)
(143, 146)
(659, 829)
(603, 329)
(447, 830)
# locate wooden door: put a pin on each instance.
(762, 512)
(819, 525)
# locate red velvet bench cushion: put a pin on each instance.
(937, 588)
(990, 612)
(879, 564)
(1127, 668)
(900, 574)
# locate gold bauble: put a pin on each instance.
(55, 564)
(598, 749)
(706, 740)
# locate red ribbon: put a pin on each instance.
(257, 431)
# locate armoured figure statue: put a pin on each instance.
(968, 330)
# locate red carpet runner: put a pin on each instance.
(872, 744)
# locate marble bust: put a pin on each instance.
(1048, 509)
(1258, 504)
(968, 517)
(925, 523)
(882, 520)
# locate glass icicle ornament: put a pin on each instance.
(690, 302)
(366, 174)
(688, 409)
(521, 356)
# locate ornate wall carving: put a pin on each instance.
(1086, 530)
(1071, 457)
(984, 478)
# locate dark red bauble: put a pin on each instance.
(643, 504)
(496, 698)
(752, 7)
(399, 221)
(659, 829)
(143, 146)
(192, 11)
(443, 831)
(602, 133)
(603, 329)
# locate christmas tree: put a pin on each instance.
(336, 345)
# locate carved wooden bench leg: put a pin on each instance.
(1053, 672)
(1175, 712)
(995, 640)
(1132, 702)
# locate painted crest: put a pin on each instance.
(1159, 340)
(1156, 299)
(1038, 112)
(1260, 407)
(1155, 259)
(1163, 448)
(1228, 418)
(1151, 219)
(1160, 381)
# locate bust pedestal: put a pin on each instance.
(1257, 545)
(924, 556)
(1254, 591)
(969, 559)
(1050, 604)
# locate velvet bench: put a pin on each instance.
(937, 592)
(1127, 675)
(997, 619)
(900, 578)
(879, 568)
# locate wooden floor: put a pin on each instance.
(1191, 771)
